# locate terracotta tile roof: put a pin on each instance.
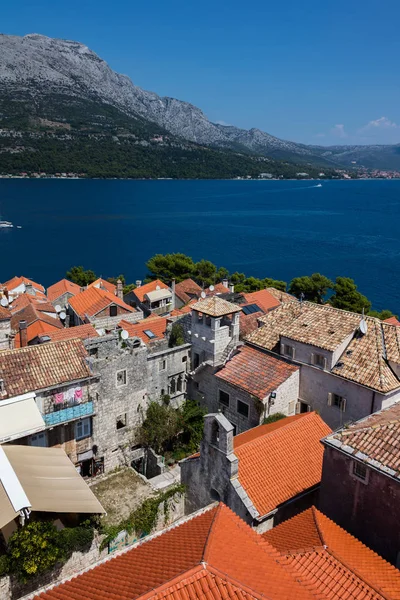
(103, 284)
(280, 460)
(37, 322)
(219, 288)
(5, 314)
(191, 561)
(40, 303)
(149, 287)
(13, 283)
(82, 332)
(264, 299)
(249, 323)
(376, 437)
(181, 311)
(256, 372)
(42, 366)
(35, 330)
(392, 321)
(363, 360)
(157, 325)
(281, 296)
(93, 300)
(186, 289)
(216, 307)
(335, 563)
(62, 287)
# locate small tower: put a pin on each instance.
(214, 330)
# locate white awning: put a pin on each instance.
(158, 295)
(19, 416)
(46, 480)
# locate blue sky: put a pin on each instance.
(312, 71)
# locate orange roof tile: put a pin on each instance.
(62, 287)
(181, 311)
(392, 321)
(280, 460)
(335, 563)
(34, 330)
(82, 332)
(42, 366)
(157, 325)
(103, 284)
(249, 323)
(219, 288)
(263, 298)
(149, 287)
(5, 314)
(190, 561)
(256, 372)
(40, 303)
(13, 283)
(186, 289)
(93, 300)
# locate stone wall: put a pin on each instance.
(368, 510)
(5, 331)
(165, 365)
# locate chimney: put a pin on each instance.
(231, 288)
(138, 283)
(23, 334)
(173, 294)
(225, 283)
(120, 290)
(29, 289)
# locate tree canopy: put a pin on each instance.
(313, 288)
(347, 296)
(80, 276)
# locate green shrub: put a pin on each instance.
(4, 565)
(72, 539)
(273, 418)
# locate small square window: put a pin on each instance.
(94, 352)
(121, 378)
(113, 310)
(243, 408)
(184, 358)
(288, 350)
(318, 360)
(162, 365)
(121, 421)
(360, 471)
(338, 401)
(224, 398)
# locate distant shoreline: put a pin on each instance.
(195, 179)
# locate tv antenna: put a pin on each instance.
(363, 324)
(124, 334)
(58, 308)
(4, 302)
(158, 287)
(211, 288)
(63, 315)
(203, 295)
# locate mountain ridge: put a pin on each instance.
(38, 66)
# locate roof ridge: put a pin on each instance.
(275, 431)
(320, 534)
(210, 532)
(235, 582)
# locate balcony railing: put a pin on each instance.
(71, 413)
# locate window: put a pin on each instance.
(224, 398)
(1, 386)
(83, 428)
(215, 433)
(338, 401)
(288, 350)
(149, 333)
(179, 384)
(162, 365)
(39, 439)
(360, 471)
(184, 358)
(121, 378)
(113, 310)
(318, 360)
(196, 360)
(243, 408)
(94, 352)
(121, 421)
(291, 407)
(172, 386)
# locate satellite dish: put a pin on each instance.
(63, 315)
(158, 287)
(124, 334)
(58, 308)
(4, 301)
(203, 294)
(363, 326)
(211, 288)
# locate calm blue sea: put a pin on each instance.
(277, 229)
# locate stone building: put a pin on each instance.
(101, 308)
(22, 285)
(154, 297)
(349, 365)
(52, 404)
(5, 328)
(59, 293)
(251, 386)
(265, 475)
(360, 488)
(185, 291)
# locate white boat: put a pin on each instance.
(6, 224)
(319, 185)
